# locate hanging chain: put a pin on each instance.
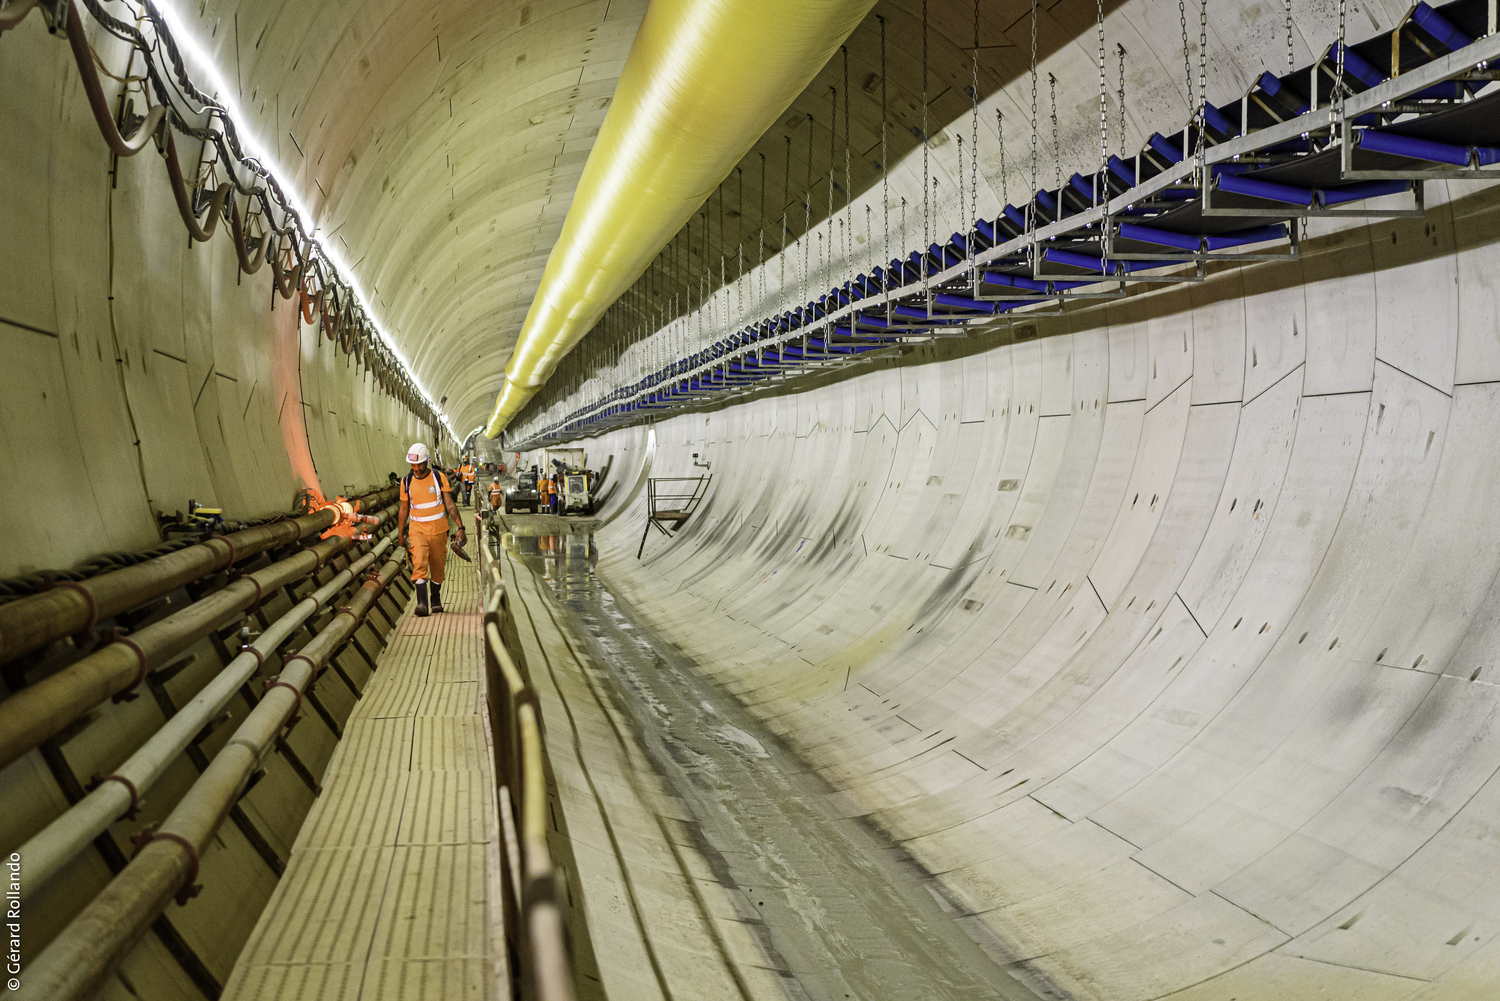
(781, 257)
(1121, 49)
(1056, 139)
(926, 204)
(869, 240)
(739, 239)
(1031, 205)
(885, 181)
(806, 241)
(1103, 104)
(786, 194)
(848, 182)
(1187, 61)
(761, 215)
(1202, 85)
(963, 189)
(1338, 78)
(1291, 60)
(970, 218)
(833, 140)
(1000, 135)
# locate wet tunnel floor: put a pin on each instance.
(843, 915)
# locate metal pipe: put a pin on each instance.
(57, 844)
(79, 960)
(40, 711)
(30, 623)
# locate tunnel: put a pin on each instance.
(943, 499)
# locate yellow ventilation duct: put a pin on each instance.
(704, 80)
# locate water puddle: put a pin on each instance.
(845, 915)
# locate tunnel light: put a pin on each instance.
(219, 89)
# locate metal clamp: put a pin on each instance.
(192, 888)
(128, 693)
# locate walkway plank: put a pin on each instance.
(392, 889)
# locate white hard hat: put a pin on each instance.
(495, 480)
(417, 452)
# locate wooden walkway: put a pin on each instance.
(392, 890)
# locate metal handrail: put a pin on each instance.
(534, 928)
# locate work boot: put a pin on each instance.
(422, 599)
(437, 595)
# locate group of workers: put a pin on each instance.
(428, 511)
(469, 471)
(549, 490)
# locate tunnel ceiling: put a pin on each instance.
(438, 145)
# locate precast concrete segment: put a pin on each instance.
(830, 908)
(142, 373)
(1162, 640)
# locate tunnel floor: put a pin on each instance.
(844, 914)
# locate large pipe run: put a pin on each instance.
(30, 623)
(55, 845)
(79, 959)
(704, 80)
(40, 711)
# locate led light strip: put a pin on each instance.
(178, 35)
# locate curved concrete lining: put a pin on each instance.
(1165, 639)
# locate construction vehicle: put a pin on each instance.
(523, 495)
(571, 458)
(576, 497)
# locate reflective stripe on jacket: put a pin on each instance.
(425, 496)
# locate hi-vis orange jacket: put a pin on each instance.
(426, 512)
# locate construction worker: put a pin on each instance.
(427, 505)
(497, 494)
(466, 473)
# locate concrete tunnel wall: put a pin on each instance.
(1166, 639)
(1153, 781)
(141, 371)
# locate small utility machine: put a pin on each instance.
(576, 497)
(523, 494)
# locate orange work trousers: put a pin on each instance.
(429, 556)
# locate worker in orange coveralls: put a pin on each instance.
(427, 503)
(466, 473)
(497, 494)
